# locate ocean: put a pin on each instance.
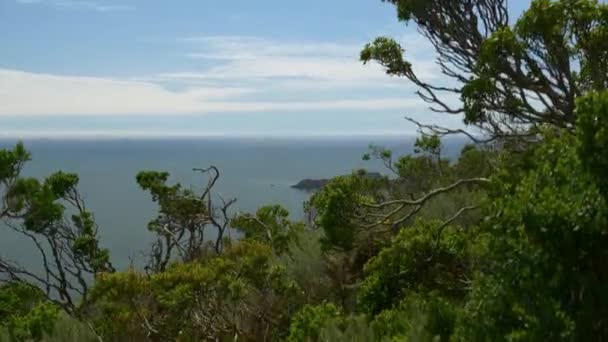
(256, 171)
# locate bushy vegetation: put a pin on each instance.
(508, 242)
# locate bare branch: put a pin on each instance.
(431, 194)
(456, 216)
(417, 204)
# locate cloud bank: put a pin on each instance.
(237, 74)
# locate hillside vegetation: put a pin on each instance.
(509, 242)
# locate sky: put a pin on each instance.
(138, 68)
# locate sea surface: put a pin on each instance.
(254, 170)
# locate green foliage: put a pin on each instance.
(423, 258)
(270, 225)
(430, 144)
(592, 132)
(510, 74)
(549, 233)
(11, 162)
(557, 33)
(336, 206)
(474, 162)
(184, 219)
(423, 255)
(42, 207)
(308, 323)
(305, 265)
(18, 298)
(69, 249)
(415, 173)
(389, 53)
(64, 329)
(39, 201)
(419, 318)
(68, 329)
(351, 328)
(177, 204)
(242, 292)
(33, 325)
(24, 312)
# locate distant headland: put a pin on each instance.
(316, 184)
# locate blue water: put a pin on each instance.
(255, 171)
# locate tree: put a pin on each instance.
(545, 216)
(549, 228)
(68, 247)
(184, 218)
(270, 225)
(508, 78)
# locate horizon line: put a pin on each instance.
(103, 135)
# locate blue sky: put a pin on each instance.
(203, 67)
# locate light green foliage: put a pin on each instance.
(242, 292)
(353, 328)
(118, 305)
(24, 312)
(40, 320)
(420, 173)
(419, 318)
(389, 53)
(305, 264)
(57, 328)
(18, 298)
(270, 225)
(474, 162)
(429, 144)
(326, 322)
(417, 174)
(308, 323)
(68, 329)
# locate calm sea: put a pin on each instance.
(255, 171)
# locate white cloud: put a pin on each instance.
(248, 47)
(240, 74)
(254, 58)
(23, 93)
